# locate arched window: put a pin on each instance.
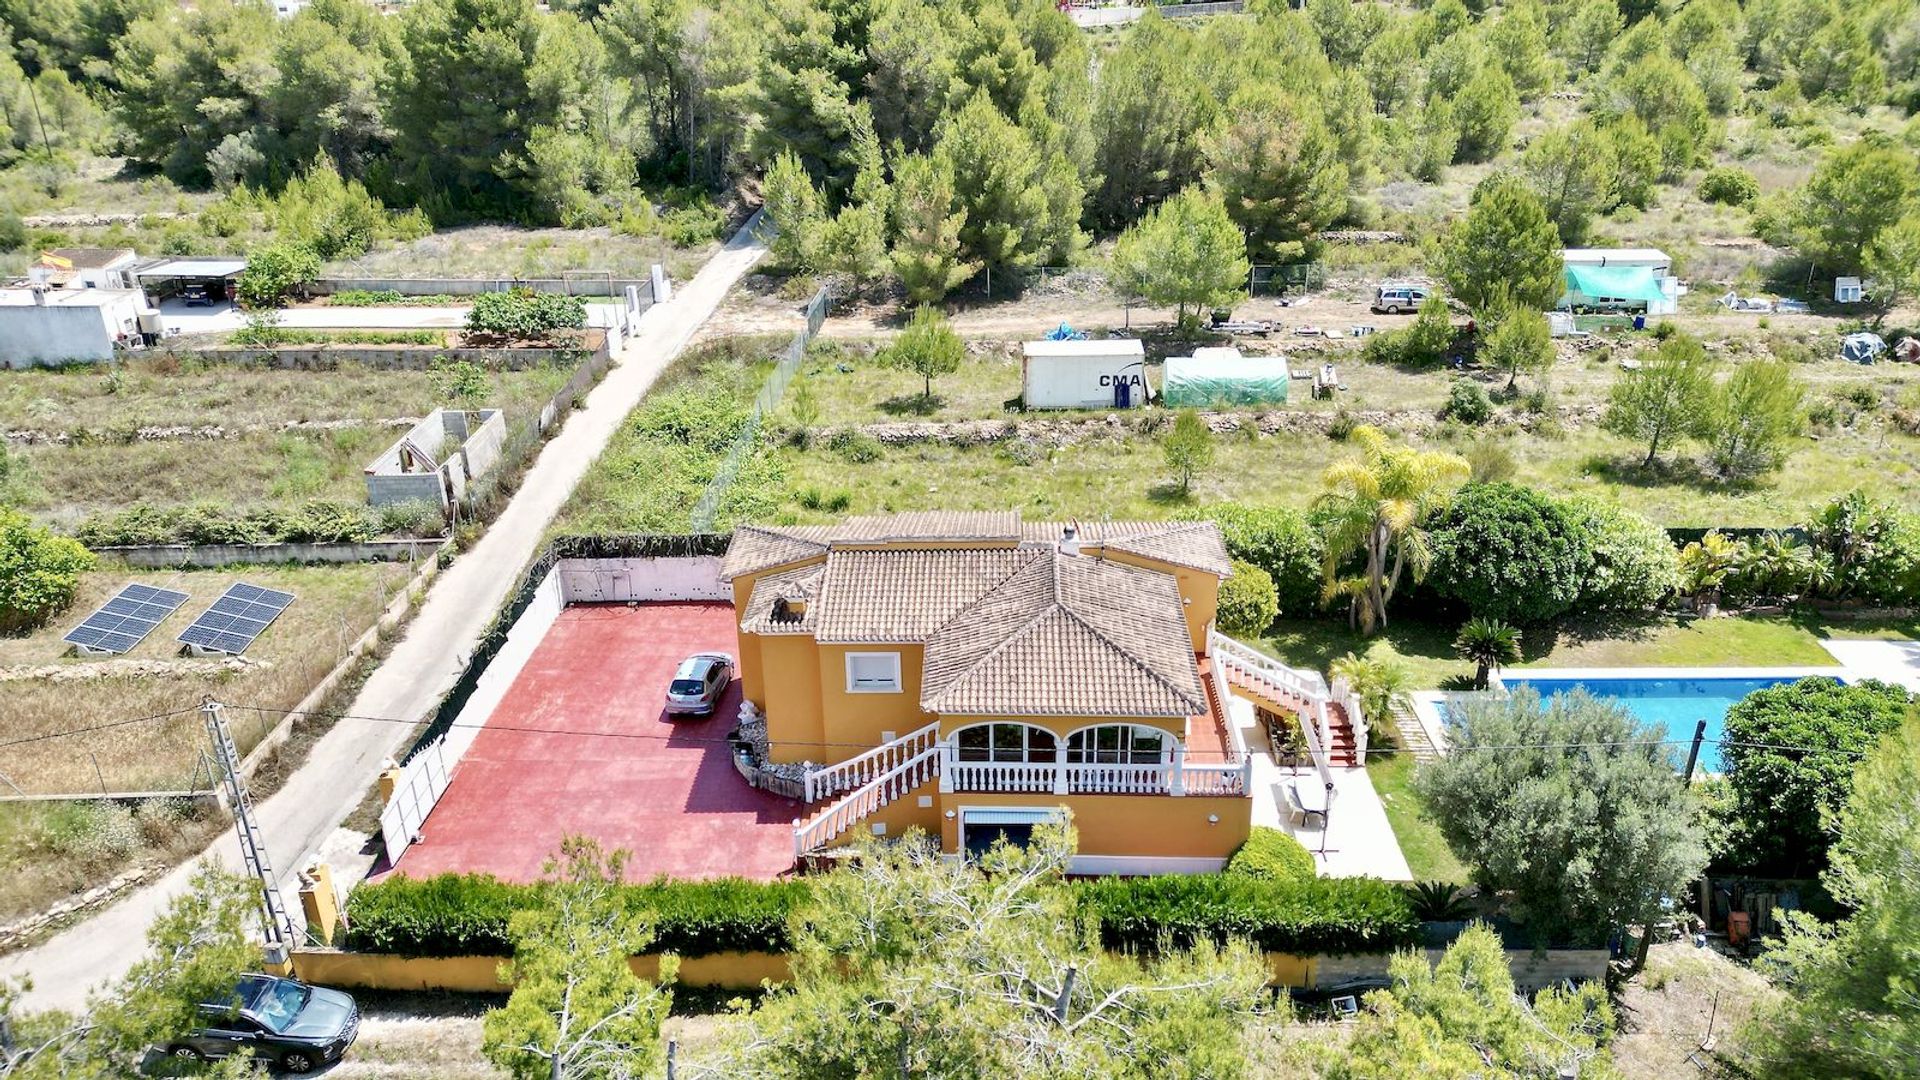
(1119, 744)
(1004, 742)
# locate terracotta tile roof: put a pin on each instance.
(762, 547)
(1194, 544)
(91, 258)
(930, 525)
(904, 595)
(1067, 636)
(800, 587)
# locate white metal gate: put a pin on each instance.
(422, 783)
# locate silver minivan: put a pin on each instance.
(1395, 298)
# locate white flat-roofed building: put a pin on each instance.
(1105, 374)
(40, 326)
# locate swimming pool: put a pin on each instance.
(1675, 703)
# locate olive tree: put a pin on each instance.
(909, 963)
(1580, 813)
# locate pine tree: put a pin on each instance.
(793, 209)
(1278, 172)
(1505, 248)
(926, 248)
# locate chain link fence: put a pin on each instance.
(1281, 280)
(767, 400)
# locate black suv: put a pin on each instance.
(284, 1022)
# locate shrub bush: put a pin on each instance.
(522, 314)
(855, 447)
(1324, 915)
(1272, 855)
(274, 273)
(1424, 344)
(1467, 402)
(706, 417)
(387, 298)
(1278, 540)
(1509, 552)
(1784, 799)
(207, 523)
(1730, 185)
(39, 572)
(1871, 550)
(1633, 566)
(1248, 604)
(467, 914)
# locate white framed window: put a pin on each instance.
(873, 673)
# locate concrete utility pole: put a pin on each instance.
(253, 848)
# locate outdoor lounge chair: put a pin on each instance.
(1299, 811)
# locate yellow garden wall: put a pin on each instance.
(480, 974)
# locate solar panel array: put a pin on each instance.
(124, 621)
(240, 615)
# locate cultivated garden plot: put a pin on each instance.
(44, 692)
(85, 442)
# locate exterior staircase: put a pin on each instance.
(866, 784)
(1330, 714)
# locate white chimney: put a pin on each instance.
(1070, 541)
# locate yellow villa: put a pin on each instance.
(973, 675)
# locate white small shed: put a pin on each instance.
(1104, 374)
(1848, 290)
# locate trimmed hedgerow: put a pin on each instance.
(468, 914)
(1324, 915)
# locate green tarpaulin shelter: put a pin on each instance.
(1212, 378)
(1590, 283)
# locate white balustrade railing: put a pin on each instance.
(1308, 685)
(830, 780)
(1234, 779)
(824, 827)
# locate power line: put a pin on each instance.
(108, 726)
(685, 738)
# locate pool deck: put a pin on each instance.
(1896, 662)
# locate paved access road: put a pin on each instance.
(422, 665)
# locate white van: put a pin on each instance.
(1395, 298)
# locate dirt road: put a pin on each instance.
(422, 665)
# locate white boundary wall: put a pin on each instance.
(627, 580)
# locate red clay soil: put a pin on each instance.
(605, 762)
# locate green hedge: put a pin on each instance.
(468, 915)
(1325, 915)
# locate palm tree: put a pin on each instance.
(1704, 567)
(1381, 685)
(1490, 644)
(1374, 506)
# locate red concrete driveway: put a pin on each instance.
(581, 744)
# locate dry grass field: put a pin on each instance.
(43, 693)
(83, 440)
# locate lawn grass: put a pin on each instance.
(42, 695)
(83, 437)
(1428, 856)
(1425, 646)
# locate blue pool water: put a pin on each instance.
(1674, 704)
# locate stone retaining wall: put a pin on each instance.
(388, 357)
